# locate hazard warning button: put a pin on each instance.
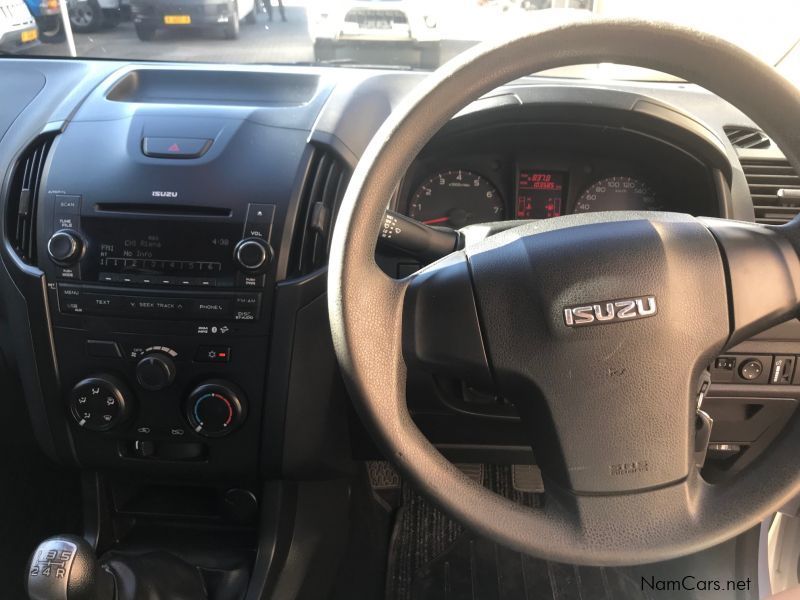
(172, 147)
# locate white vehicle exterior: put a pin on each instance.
(18, 29)
(339, 26)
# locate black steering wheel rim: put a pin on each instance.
(367, 308)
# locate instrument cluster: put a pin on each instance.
(460, 196)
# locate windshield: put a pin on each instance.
(400, 34)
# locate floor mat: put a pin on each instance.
(433, 558)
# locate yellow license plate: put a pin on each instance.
(177, 19)
(29, 36)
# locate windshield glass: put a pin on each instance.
(405, 34)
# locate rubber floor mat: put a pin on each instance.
(434, 558)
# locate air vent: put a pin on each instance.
(747, 137)
(323, 191)
(775, 189)
(22, 200)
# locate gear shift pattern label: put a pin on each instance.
(53, 561)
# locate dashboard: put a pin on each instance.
(187, 285)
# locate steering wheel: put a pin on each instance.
(598, 327)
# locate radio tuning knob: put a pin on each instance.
(65, 247)
(253, 254)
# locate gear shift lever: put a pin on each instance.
(64, 567)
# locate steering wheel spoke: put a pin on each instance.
(763, 273)
(441, 326)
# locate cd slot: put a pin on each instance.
(164, 210)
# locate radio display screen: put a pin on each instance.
(540, 194)
(185, 248)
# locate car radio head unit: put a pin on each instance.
(159, 245)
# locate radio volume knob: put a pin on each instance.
(64, 247)
(253, 254)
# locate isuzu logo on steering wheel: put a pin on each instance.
(610, 311)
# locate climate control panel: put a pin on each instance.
(175, 401)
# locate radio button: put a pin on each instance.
(211, 308)
(74, 307)
(246, 280)
(144, 306)
(260, 213)
(69, 272)
(68, 204)
(66, 221)
(248, 301)
(102, 302)
(70, 300)
(259, 221)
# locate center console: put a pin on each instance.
(161, 242)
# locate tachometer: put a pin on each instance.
(617, 193)
(456, 199)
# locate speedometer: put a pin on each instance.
(456, 199)
(617, 193)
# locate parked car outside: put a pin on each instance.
(342, 30)
(18, 30)
(223, 15)
(47, 14)
(87, 16)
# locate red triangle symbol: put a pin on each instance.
(174, 148)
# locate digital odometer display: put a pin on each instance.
(540, 194)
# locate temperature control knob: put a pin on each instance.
(253, 254)
(155, 371)
(100, 402)
(215, 408)
(65, 247)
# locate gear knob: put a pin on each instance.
(64, 567)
